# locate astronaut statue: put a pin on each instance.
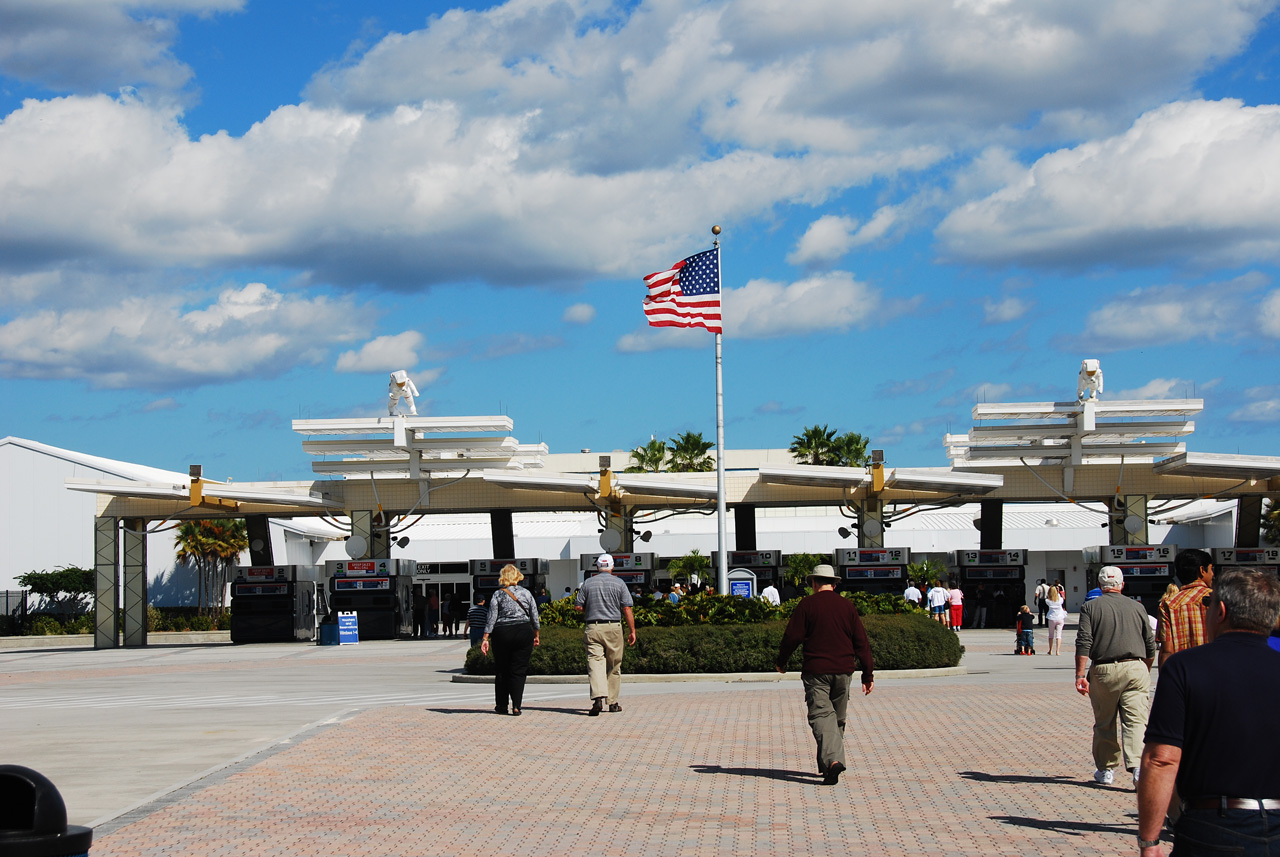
(1090, 383)
(402, 387)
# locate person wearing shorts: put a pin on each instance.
(939, 598)
(1057, 615)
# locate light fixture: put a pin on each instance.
(844, 532)
(403, 541)
(1052, 522)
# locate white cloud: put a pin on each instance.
(1158, 388)
(71, 46)
(1269, 315)
(1176, 313)
(829, 301)
(987, 391)
(383, 354)
(1006, 309)
(579, 314)
(648, 339)
(826, 240)
(1196, 180)
(156, 343)
(1263, 410)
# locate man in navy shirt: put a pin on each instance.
(1212, 728)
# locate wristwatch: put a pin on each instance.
(1147, 843)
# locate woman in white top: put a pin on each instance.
(1057, 617)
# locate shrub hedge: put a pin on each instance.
(897, 642)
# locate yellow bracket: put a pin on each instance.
(877, 477)
(198, 498)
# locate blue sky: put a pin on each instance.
(218, 216)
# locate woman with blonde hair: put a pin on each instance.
(512, 628)
(1057, 617)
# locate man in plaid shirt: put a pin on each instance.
(1182, 614)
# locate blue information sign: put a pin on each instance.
(348, 629)
(741, 588)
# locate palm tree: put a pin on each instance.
(649, 458)
(815, 445)
(212, 547)
(850, 450)
(692, 564)
(689, 453)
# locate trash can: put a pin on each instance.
(33, 818)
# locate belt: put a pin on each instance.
(1219, 802)
(1114, 661)
(604, 621)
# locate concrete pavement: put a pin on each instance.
(370, 750)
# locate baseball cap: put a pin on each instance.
(1110, 577)
(604, 561)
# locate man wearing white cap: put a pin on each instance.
(605, 601)
(1116, 637)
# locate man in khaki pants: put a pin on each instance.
(1115, 635)
(605, 601)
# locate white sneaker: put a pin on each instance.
(1104, 778)
(1135, 776)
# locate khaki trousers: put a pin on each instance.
(1122, 689)
(827, 698)
(604, 660)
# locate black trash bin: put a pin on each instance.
(33, 818)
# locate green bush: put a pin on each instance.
(45, 625)
(897, 642)
(720, 610)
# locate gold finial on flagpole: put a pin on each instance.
(715, 230)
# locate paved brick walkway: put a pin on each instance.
(959, 766)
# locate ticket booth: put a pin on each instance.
(1266, 559)
(872, 570)
(450, 583)
(1147, 569)
(484, 574)
(633, 569)
(273, 604)
(994, 579)
(765, 565)
(379, 591)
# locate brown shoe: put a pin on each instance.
(596, 707)
(833, 774)
(615, 707)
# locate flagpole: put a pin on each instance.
(722, 572)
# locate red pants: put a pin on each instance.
(957, 614)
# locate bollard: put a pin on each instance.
(33, 818)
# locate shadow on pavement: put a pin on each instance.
(983, 777)
(766, 773)
(1073, 828)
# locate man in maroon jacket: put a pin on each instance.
(828, 625)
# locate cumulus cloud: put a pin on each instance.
(157, 343)
(826, 240)
(70, 46)
(1177, 313)
(1191, 181)
(579, 314)
(383, 354)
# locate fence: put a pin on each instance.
(13, 611)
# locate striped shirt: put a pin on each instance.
(477, 616)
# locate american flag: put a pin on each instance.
(688, 295)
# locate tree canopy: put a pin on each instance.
(650, 458)
(65, 589)
(821, 445)
(689, 453)
(213, 548)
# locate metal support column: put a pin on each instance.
(502, 530)
(258, 530)
(1128, 524)
(991, 525)
(744, 527)
(362, 526)
(134, 542)
(106, 592)
(1248, 522)
(871, 524)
